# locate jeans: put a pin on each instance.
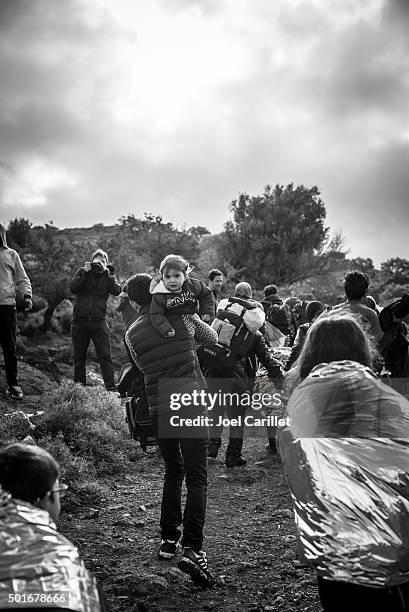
(8, 328)
(184, 458)
(231, 411)
(82, 332)
(341, 596)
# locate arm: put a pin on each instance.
(272, 366)
(205, 297)
(20, 278)
(79, 281)
(114, 286)
(157, 316)
(297, 346)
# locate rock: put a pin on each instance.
(142, 508)
(33, 381)
(289, 539)
(174, 575)
(150, 584)
(286, 513)
(92, 513)
(139, 523)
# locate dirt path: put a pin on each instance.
(249, 541)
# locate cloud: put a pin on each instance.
(176, 106)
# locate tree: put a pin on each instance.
(279, 236)
(395, 271)
(364, 264)
(155, 238)
(18, 232)
(51, 262)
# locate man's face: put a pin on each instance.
(99, 263)
(217, 282)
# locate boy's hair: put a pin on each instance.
(356, 284)
(213, 273)
(27, 472)
(100, 252)
(138, 288)
(334, 338)
(175, 261)
(270, 290)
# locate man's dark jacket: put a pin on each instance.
(173, 361)
(91, 293)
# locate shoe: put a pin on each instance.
(235, 461)
(271, 447)
(168, 549)
(15, 392)
(196, 566)
(212, 449)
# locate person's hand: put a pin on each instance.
(171, 333)
(87, 266)
(206, 318)
(27, 303)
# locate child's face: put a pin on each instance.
(173, 279)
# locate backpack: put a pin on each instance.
(139, 422)
(235, 324)
(279, 315)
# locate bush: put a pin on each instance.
(89, 424)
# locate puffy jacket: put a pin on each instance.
(171, 361)
(12, 276)
(91, 293)
(35, 558)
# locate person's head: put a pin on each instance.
(215, 279)
(3, 237)
(174, 270)
(138, 288)
(99, 261)
(356, 285)
(243, 290)
(292, 302)
(30, 473)
(270, 290)
(313, 310)
(334, 338)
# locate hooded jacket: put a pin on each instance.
(12, 274)
(194, 297)
(36, 559)
(91, 293)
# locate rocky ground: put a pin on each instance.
(250, 541)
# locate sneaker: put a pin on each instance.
(235, 461)
(15, 392)
(212, 449)
(196, 566)
(168, 549)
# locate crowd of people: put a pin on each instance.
(344, 447)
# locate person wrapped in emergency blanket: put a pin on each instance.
(346, 458)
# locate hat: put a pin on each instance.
(100, 253)
(138, 288)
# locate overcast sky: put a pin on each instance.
(176, 106)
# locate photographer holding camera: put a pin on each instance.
(92, 285)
